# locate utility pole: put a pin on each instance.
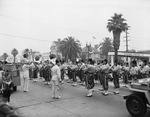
(127, 40)
(127, 45)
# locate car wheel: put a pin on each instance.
(136, 106)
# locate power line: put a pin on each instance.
(28, 38)
(70, 29)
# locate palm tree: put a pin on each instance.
(116, 25)
(70, 48)
(14, 52)
(106, 46)
(4, 56)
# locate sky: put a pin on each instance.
(35, 24)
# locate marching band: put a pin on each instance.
(85, 74)
(80, 73)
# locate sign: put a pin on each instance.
(130, 54)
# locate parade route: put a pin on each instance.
(38, 102)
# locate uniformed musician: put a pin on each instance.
(115, 72)
(89, 80)
(104, 72)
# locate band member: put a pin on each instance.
(25, 68)
(56, 77)
(96, 73)
(74, 68)
(144, 70)
(133, 71)
(81, 66)
(100, 75)
(30, 74)
(35, 72)
(41, 71)
(89, 80)
(104, 72)
(69, 72)
(62, 68)
(47, 73)
(125, 70)
(115, 70)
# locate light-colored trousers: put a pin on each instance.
(25, 83)
(55, 86)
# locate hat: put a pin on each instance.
(52, 58)
(134, 62)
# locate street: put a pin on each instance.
(38, 102)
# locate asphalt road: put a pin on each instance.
(38, 102)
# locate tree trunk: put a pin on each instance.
(116, 55)
(14, 59)
(116, 42)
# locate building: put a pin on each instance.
(129, 56)
(45, 56)
(91, 52)
(54, 49)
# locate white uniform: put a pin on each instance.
(25, 69)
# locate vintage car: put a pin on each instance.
(14, 73)
(139, 99)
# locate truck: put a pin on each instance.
(138, 101)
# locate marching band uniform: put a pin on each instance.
(133, 71)
(89, 80)
(105, 70)
(115, 70)
(96, 73)
(125, 70)
(144, 70)
(81, 72)
(35, 72)
(74, 74)
(47, 74)
(62, 68)
(100, 76)
(69, 72)
(30, 73)
(41, 71)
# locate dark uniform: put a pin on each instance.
(47, 73)
(89, 78)
(104, 73)
(35, 72)
(41, 71)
